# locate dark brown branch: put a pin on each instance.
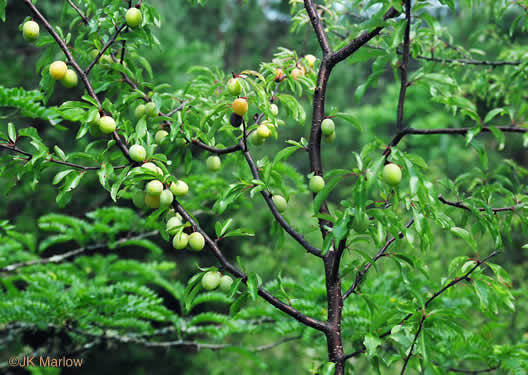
(420, 326)
(62, 257)
(360, 40)
(105, 47)
(81, 14)
(456, 131)
(381, 253)
(267, 296)
(215, 150)
(404, 66)
(464, 207)
(13, 148)
(318, 27)
(268, 198)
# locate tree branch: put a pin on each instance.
(420, 326)
(76, 8)
(267, 296)
(318, 27)
(381, 253)
(62, 257)
(404, 66)
(464, 207)
(103, 50)
(13, 148)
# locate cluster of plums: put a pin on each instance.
(214, 279)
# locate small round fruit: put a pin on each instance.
(140, 111)
(274, 109)
(137, 153)
(196, 241)
(173, 224)
(255, 139)
(240, 106)
(166, 198)
(263, 131)
(317, 184)
(296, 73)
(152, 201)
(234, 86)
(180, 142)
(30, 31)
(330, 138)
(133, 17)
(225, 283)
(150, 109)
(280, 202)
(179, 188)
(107, 124)
(180, 241)
(235, 120)
(279, 74)
(361, 222)
(139, 199)
(328, 127)
(106, 60)
(211, 280)
(392, 174)
(58, 70)
(154, 187)
(213, 163)
(310, 59)
(160, 136)
(152, 167)
(70, 79)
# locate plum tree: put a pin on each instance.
(139, 111)
(234, 86)
(58, 70)
(151, 109)
(274, 109)
(179, 188)
(296, 73)
(133, 17)
(225, 283)
(160, 136)
(166, 198)
(154, 188)
(30, 31)
(263, 131)
(310, 59)
(152, 201)
(70, 80)
(172, 225)
(327, 127)
(180, 240)
(240, 106)
(235, 120)
(280, 202)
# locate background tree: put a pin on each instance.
(110, 172)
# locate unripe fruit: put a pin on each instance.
(392, 174)
(279, 74)
(330, 138)
(234, 86)
(70, 79)
(137, 153)
(154, 187)
(280, 202)
(235, 120)
(196, 241)
(180, 241)
(152, 201)
(328, 127)
(160, 136)
(140, 111)
(150, 109)
(58, 70)
(172, 225)
(30, 31)
(361, 222)
(180, 142)
(274, 109)
(225, 283)
(152, 167)
(213, 163)
(310, 59)
(139, 199)
(263, 131)
(133, 17)
(317, 184)
(211, 280)
(107, 124)
(255, 139)
(240, 106)
(166, 198)
(106, 60)
(179, 188)
(296, 73)
(94, 126)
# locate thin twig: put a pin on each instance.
(481, 209)
(81, 14)
(404, 67)
(105, 47)
(409, 355)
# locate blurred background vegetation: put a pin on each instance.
(233, 35)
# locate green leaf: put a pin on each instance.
(494, 112)
(253, 285)
(465, 235)
(323, 194)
